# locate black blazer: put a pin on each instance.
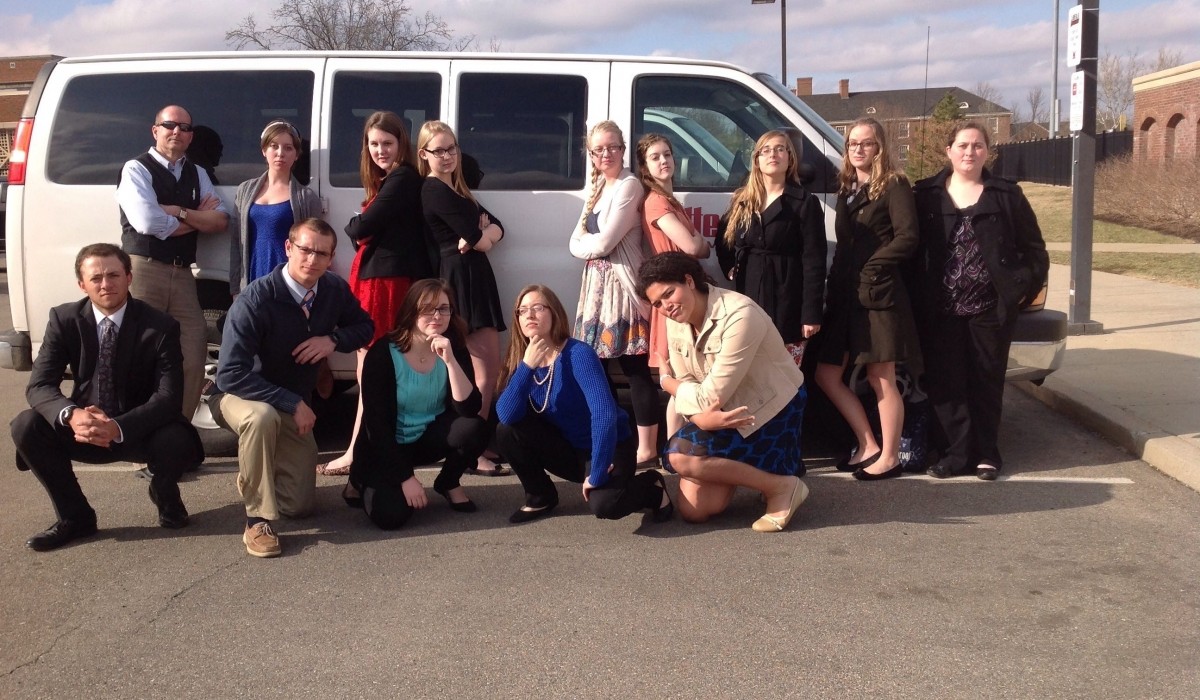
(148, 372)
(378, 458)
(1009, 238)
(393, 229)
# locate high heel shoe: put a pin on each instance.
(864, 475)
(467, 506)
(661, 513)
(846, 466)
(354, 500)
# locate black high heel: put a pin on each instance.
(354, 501)
(661, 513)
(467, 506)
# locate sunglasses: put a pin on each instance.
(171, 126)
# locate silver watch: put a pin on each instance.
(182, 215)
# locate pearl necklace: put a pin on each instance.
(548, 382)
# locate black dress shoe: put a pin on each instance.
(864, 475)
(941, 470)
(661, 513)
(523, 516)
(59, 534)
(171, 512)
(467, 506)
(846, 466)
(987, 472)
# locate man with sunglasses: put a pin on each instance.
(166, 202)
(278, 330)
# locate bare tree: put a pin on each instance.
(985, 90)
(1114, 83)
(370, 25)
(1035, 99)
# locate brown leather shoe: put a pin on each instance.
(261, 541)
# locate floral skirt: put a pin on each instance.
(609, 318)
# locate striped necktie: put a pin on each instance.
(307, 302)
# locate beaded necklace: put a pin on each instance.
(548, 382)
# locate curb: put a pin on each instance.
(1172, 455)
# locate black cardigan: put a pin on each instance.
(395, 228)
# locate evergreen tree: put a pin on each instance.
(927, 155)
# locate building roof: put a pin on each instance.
(894, 104)
(21, 70)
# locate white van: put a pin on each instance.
(522, 117)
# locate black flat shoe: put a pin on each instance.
(352, 500)
(987, 472)
(846, 466)
(521, 515)
(661, 513)
(467, 506)
(60, 533)
(941, 470)
(864, 475)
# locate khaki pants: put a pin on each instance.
(172, 290)
(276, 464)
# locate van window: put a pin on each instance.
(105, 120)
(712, 124)
(356, 95)
(526, 131)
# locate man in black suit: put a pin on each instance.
(126, 401)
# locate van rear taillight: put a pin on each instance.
(20, 152)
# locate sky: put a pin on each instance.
(876, 44)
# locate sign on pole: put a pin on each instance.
(1075, 36)
(1078, 88)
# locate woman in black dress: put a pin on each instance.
(463, 232)
(981, 260)
(868, 319)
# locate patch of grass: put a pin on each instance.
(1182, 269)
(1052, 205)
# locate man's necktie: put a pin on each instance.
(307, 303)
(106, 390)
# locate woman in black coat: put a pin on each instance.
(868, 319)
(772, 242)
(420, 406)
(981, 260)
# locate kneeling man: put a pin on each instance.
(126, 403)
(278, 330)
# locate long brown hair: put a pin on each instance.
(370, 173)
(883, 171)
(560, 330)
(644, 175)
(748, 200)
(597, 176)
(430, 129)
(423, 296)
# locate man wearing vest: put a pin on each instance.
(277, 332)
(166, 202)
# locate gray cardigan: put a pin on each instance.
(305, 204)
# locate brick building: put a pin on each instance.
(902, 111)
(1166, 114)
(16, 78)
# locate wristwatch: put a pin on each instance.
(182, 215)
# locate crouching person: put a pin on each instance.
(278, 330)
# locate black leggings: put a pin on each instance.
(534, 447)
(642, 392)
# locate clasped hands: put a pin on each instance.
(92, 426)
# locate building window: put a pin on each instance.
(902, 130)
(904, 152)
(994, 125)
(841, 129)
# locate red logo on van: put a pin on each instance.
(705, 224)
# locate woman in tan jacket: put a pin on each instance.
(737, 386)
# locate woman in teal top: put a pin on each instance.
(420, 406)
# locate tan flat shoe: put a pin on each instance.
(770, 523)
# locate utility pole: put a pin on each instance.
(1083, 43)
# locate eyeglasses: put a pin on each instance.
(443, 310)
(606, 150)
(771, 151)
(312, 253)
(171, 126)
(531, 309)
(865, 145)
(440, 153)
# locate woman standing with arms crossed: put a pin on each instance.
(868, 319)
(982, 259)
(772, 242)
(463, 232)
(558, 416)
(390, 238)
(611, 318)
(420, 405)
(266, 207)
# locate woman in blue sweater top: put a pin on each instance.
(558, 415)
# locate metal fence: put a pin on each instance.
(1048, 161)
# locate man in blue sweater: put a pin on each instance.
(278, 330)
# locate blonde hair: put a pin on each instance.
(748, 200)
(597, 176)
(430, 129)
(644, 175)
(883, 172)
